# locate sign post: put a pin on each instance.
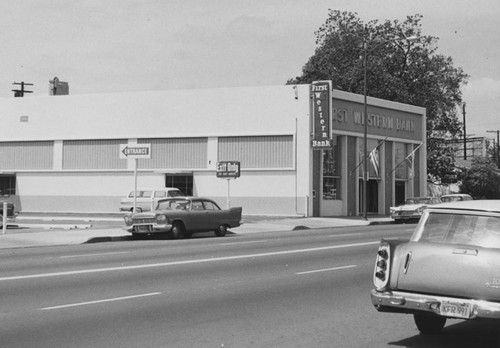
(135, 152)
(228, 170)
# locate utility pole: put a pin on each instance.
(465, 133)
(498, 147)
(20, 92)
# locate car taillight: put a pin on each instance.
(382, 265)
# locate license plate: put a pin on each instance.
(455, 309)
(143, 228)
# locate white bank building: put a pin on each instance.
(64, 153)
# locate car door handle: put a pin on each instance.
(465, 251)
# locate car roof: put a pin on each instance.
(184, 197)
(484, 205)
(456, 195)
(155, 188)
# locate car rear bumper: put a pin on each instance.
(405, 302)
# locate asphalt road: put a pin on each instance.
(288, 289)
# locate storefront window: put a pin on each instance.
(331, 172)
(401, 171)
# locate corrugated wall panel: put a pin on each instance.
(175, 153)
(258, 151)
(93, 154)
(36, 155)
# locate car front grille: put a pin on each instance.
(144, 220)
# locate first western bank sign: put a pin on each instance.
(322, 108)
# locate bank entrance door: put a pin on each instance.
(399, 192)
(372, 197)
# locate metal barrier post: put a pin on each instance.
(4, 218)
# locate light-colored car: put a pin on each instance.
(180, 217)
(412, 208)
(147, 198)
(450, 268)
(454, 197)
(10, 216)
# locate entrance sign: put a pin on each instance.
(228, 169)
(135, 151)
(321, 109)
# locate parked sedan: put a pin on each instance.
(180, 217)
(412, 208)
(450, 268)
(452, 197)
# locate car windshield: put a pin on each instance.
(173, 204)
(469, 229)
(174, 193)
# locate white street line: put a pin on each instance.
(345, 234)
(91, 255)
(252, 242)
(185, 262)
(326, 269)
(99, 301)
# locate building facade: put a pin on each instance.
(62, 154)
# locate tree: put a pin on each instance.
(398, 70)
(482, 180)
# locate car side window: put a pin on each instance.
(211, 206)
(146, 194)
(197, 205)
(436, 227)
(160, 194)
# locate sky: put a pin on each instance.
(109, 46)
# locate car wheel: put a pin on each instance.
(429, 324)
(177, 230)
(221, 231)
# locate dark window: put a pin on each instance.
(183, 182)
(7, 185)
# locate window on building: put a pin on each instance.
(183, 182)
(401, 171)
(7, 185)
(331, 172)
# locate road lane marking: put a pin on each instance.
(345, 234)
(326, 269)
(251, 242)
(99, 301)
(92, 255)
(185, 262)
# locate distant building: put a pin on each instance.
(57, 87)
(300, 148)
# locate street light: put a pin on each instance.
(365, 133)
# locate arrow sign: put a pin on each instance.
(135, 151)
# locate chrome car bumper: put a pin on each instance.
(405, 302)
(148, 228)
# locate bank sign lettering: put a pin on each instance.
(322, 102)
(228, 169)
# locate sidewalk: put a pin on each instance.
(36, 231)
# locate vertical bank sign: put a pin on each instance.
(322, 106)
